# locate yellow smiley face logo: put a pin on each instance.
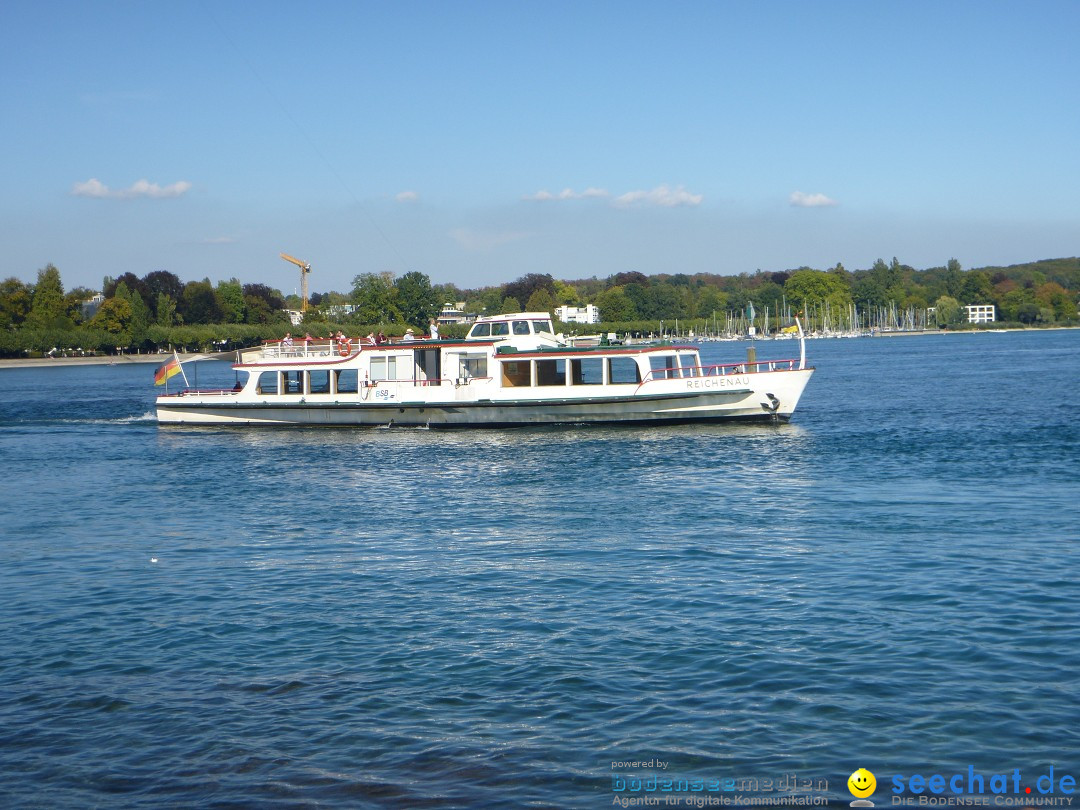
(861, 783)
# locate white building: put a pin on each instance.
(454, 312)
(339, 311)
(980, 313)
(90, 307)
(586, 314)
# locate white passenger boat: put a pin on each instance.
(510, 370)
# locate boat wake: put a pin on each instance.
(142, 419)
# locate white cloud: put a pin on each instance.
(220, 240)
(140, 188)
(91, 188)
(663, 196)
(802, 200)
(568, 194)
(483, 241)
(407, 197)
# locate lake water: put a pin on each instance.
(539, 617)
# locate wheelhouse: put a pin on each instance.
(521, 324)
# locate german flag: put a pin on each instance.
(168, 370)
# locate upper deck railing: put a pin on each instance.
(721, 369)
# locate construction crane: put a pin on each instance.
(305, 268)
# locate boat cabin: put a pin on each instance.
(519, 324)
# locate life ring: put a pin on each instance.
(346, 347)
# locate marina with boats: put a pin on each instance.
(510, 370)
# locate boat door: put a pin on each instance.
(427, 366)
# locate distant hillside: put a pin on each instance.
(1065, 272)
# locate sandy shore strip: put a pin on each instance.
(99, 360)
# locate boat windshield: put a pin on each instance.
(505, 328)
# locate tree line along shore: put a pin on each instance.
(160, 312)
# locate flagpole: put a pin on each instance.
(181, 367)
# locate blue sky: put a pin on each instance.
(479, 141)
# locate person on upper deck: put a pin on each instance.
(408, 338)
(433, 329)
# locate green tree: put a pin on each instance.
(953, 277)
(162, 281)
(662, 300)
(868, 291)
(566, 294)
(976, 288)
(1054, 297)
(486, 301)
(1011, 302)
(375, 297)
(509, 305)
(947, 311)
(448, 293)
(710, 300)
(199, 303)
(263, 304)
(416, 299)
(523, 288)
(47, 305)
(816, 287)
(165, 311)
(230, 295)
(113, 316)
(135, 285)
(1028, 313)
(541, 301)
(615, 305)
(140, 313)
(16, 298)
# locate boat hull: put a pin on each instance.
(765, 397)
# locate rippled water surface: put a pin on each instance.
(411, 618)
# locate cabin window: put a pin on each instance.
(319, 382)
(268, 382)
(623, 370)
(515, 373)
(521, 327)
(384, 368)
(346, 381)
(542, 326)
(292, 382)
(500, 328)
(480, 330)
(551, 372)
(690, 365)
(472, 365)
(664, 367)
(587, 371)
